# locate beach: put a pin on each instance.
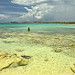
(43, 50)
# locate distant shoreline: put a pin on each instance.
(73, 23)
(47, 22)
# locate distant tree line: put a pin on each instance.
(47, 22)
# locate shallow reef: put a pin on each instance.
(12, 60)
(64, 41)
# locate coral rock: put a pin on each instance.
(73, 69)
(9, 60)
(70, 44)
(22, 63)
(57, 49)
(8, 41)
(19, 49)
(6, 62)
(26, 56)
(2, 55)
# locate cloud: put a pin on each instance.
(38, 8)
(2, 16)
(37, 11)
(41, 10)
(28, 9)
(26, 2)
(47, 10)
(13, 13)
(69, 2)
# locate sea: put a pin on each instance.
(38, 27)
(49, 49)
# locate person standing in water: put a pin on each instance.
(28, 29)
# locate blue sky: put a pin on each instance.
(37, 10)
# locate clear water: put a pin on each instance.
(51, 46)
(39, 27)
(48, 30)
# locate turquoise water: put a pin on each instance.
(51, 48)
(38, 27)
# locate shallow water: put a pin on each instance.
(44, 42)
(39, 27)
(40, 34)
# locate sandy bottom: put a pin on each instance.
(45, 60)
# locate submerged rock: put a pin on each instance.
(19, 49)
(8, 41)
(46, 59)
(26, 56)
(73, 69)
(2, 55)
(57, 49)
(70, 45)
(22, 63)
(9, 60)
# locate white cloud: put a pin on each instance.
(2, 16)
(26, 2)
(50, 10)
(39, 15)
(37, 11)
(42, 10)
(28, 9)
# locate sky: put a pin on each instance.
(37, 11)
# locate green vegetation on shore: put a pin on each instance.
(47, 22)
